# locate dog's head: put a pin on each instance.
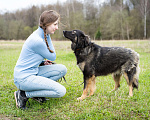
(78, 38)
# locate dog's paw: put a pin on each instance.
(112, 91)
(79, 99)
(130, 95)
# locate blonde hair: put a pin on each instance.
(46, 19)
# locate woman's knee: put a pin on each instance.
(61, 91)
(63, 69)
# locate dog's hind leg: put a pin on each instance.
(129, 83)
(117, 78)
(131, 77)
(87, 86)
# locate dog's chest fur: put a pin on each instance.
(81, 65)
(85, 58)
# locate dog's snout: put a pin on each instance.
(64, 31)
(68, 34)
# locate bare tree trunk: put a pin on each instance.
(68, 15)
(144, 11)
(128, 32)
(121, 9)
(73, 6)
(18, 31)
(84, 9)
(145, 16)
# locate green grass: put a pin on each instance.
(102, 105)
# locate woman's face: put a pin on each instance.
(52, 28)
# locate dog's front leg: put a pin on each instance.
(87, 86)
(92, 86)
(84, 95)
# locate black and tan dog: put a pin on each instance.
(94, 60)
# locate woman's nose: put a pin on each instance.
(56, 27)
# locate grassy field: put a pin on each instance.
(102, 105)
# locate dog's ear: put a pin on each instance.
(87, 40)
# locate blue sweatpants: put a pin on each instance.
(44, 83)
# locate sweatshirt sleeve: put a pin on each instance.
(40, 48)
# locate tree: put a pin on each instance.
(98, 35)
(1, 28)
(116, 19)
(32, 17)
(144, 7)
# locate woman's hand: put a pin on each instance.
(47, 62)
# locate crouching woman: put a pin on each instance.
(33, 80)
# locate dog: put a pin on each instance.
(94, 60)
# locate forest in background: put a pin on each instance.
(110, 20)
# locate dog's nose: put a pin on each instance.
(64, 31)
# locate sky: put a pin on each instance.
(13, 5)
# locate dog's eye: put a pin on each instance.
(73, 32)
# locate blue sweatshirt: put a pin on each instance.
(33, 52)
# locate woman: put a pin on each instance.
(32, 79)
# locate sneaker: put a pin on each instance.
(39, 99)
(20, 99)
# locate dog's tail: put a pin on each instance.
(131, 67)
(136, 75)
